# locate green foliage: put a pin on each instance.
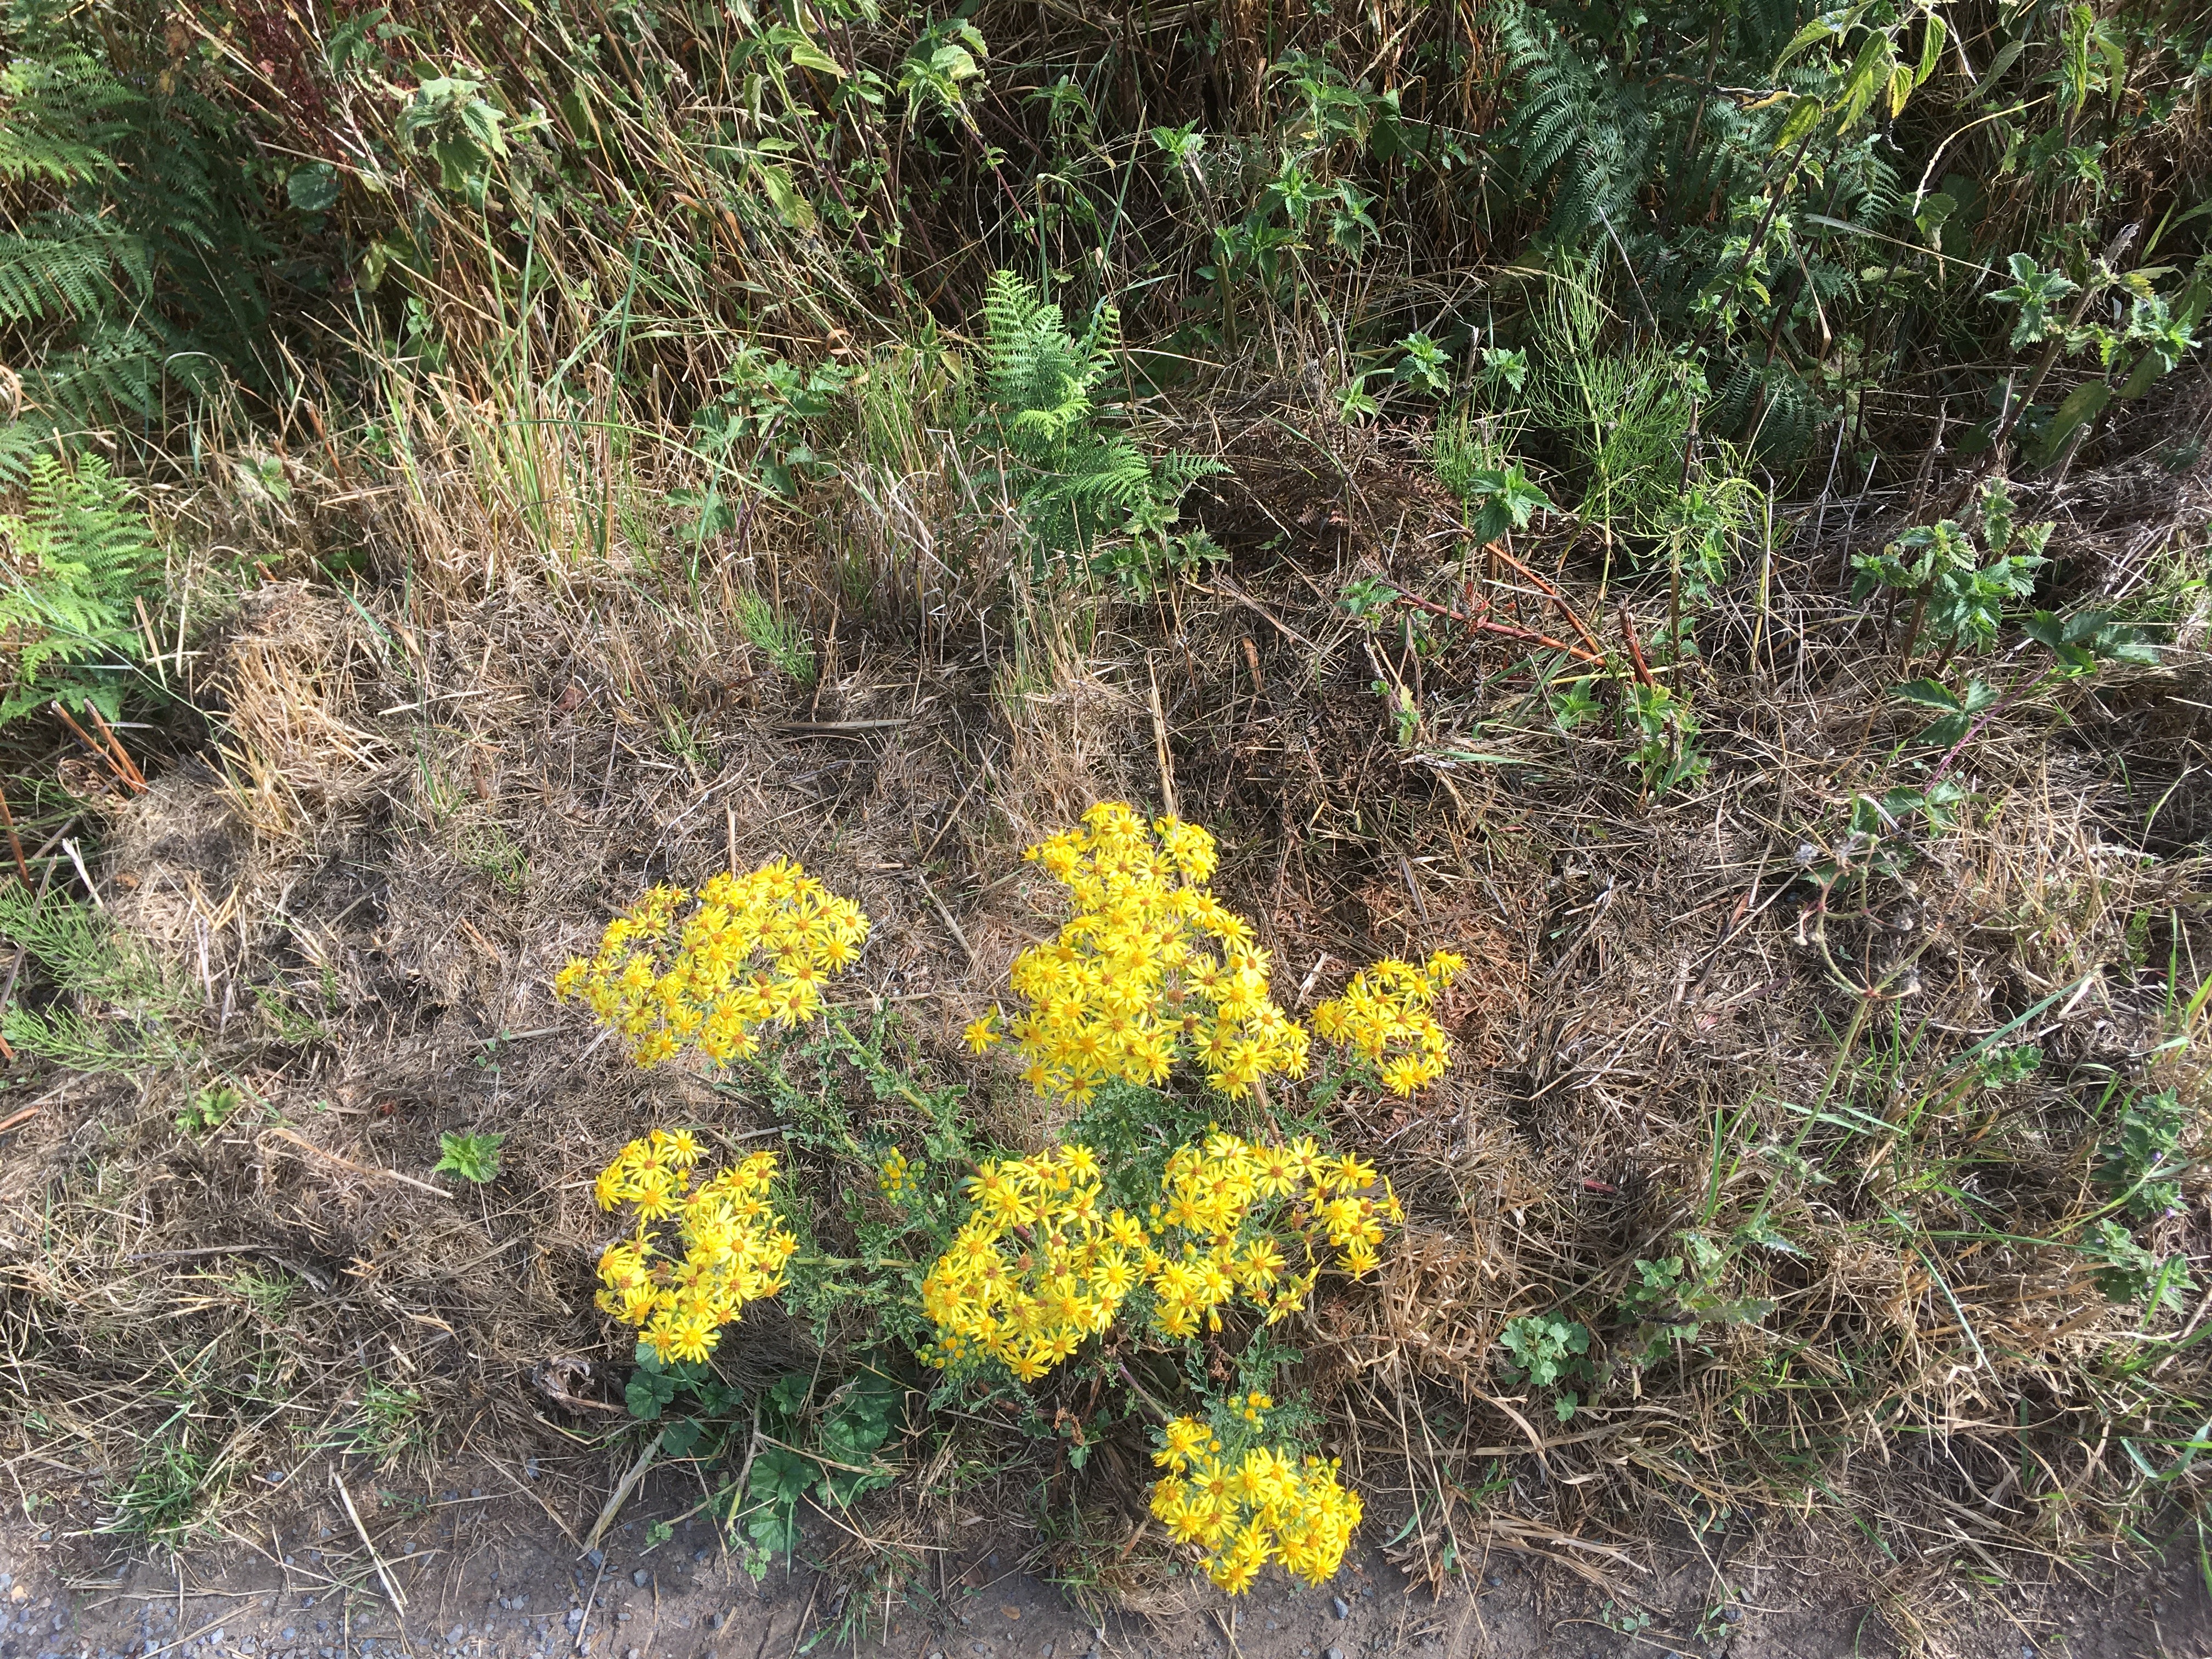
(841, 1438)
(1548, 1352)
(779, 637)
(2127, 1272)
(210, 1107)
(1676, 1299)
(129, 264)
(1621, 407)
(1087, 492)
(168, 1496)
(473, 1158)
(73, 565)
(383, 1423)
(2141, 1165)
(1503, 500)
(1665, 731)
(121, 1011)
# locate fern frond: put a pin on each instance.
(60, 115)
(72, 565)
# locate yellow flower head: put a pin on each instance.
(701, 969)
(1149, 969)
(1385, 1018)
(1247, 1507)
(731, 1250)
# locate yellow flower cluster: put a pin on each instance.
(1038, 1265)
(1228, 1207)
(1384, 1015)
(1246, 1509)
(1151, 967)
(897, 1176)
(733, 1250)
(751, 950)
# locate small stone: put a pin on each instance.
(1731, 1615)
(596, 1557)
(1496, 1581)
(1010, 1611)
(289, 1634)
(1333, 1653)
(641, 1578)
(454, 1635)
(1339, 1606)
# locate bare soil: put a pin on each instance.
(480, 1575)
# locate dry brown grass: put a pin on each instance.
(423, 797)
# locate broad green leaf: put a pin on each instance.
(804, 54)
(1928, 694)
(793, 209)
(313, 188)
(1931, 48)
(1804, 116)
(2082, 405)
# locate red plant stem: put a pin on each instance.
(15, 846)
(1635, 651)
(1503, 629)
(1589, 639)
(106, 759)
(115, 743)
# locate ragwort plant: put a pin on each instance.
(1112, 1256)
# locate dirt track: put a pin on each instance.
(483, 1577)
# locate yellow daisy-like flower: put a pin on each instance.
(733, 1252)
(684, 970)
(1246, 1508)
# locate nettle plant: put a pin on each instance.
(1959, 578)
(1152, 1252)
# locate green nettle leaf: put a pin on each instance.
(1504, 499)
(1932, 35)
(2079, 407)
(1869, 74)
(1804, 115)
(2035, 291)
(793, 209)
(314, 188)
